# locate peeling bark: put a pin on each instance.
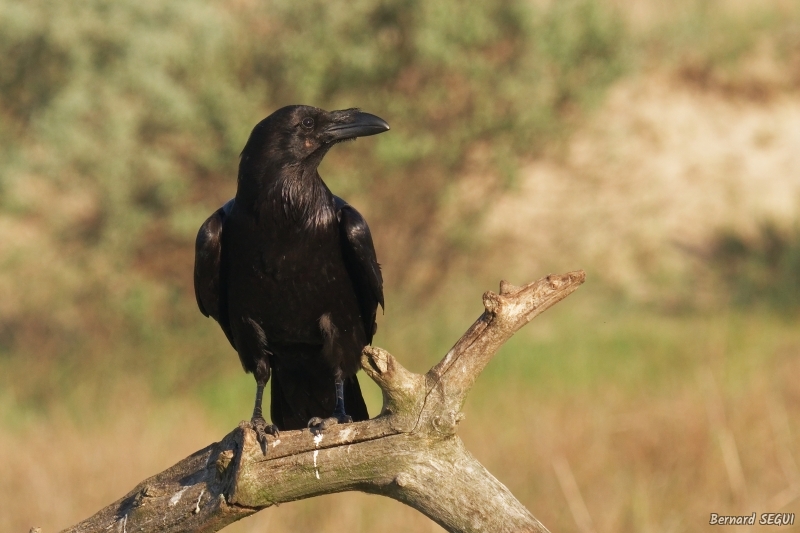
(410, 452)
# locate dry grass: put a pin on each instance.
(639, 404)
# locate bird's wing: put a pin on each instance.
(361, 262)
(207, 264)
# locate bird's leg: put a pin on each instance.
(338, 411)
(339, 415)
(257, 422)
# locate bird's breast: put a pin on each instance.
(286, 280)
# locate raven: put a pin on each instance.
(289, 271)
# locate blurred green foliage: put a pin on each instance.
(719, 46)
(763, 269)
(121, 124)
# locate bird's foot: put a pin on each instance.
(263, 429)
(318, 424)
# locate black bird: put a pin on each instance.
(289, 271)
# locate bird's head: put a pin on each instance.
(300, 136)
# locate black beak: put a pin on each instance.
(349, 124)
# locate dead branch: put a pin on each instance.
(410, 452)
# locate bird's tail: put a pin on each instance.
(304, 387)
(354, 401)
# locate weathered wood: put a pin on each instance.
(410, 452)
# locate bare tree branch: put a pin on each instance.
(410, 452)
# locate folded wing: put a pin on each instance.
(207, 266)
(361, 262)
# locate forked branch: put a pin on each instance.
(410, 452)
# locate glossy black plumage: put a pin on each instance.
(289, 270)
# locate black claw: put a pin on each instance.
(263, 429)
(318, 424)
(314, 422)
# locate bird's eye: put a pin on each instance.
(308, 123)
